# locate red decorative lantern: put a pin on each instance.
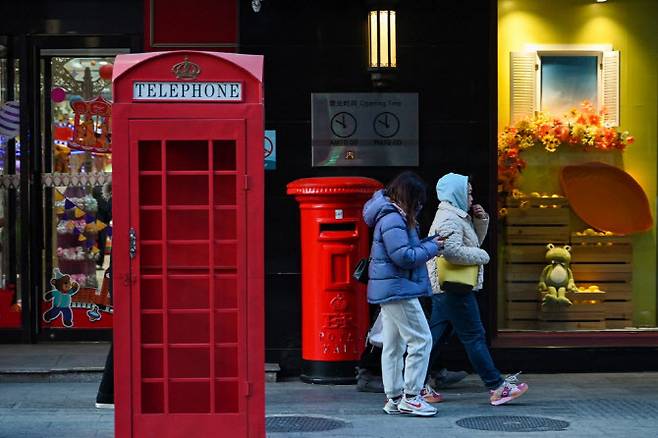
(92, 125)
(105, 71)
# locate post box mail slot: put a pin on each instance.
(343, 226)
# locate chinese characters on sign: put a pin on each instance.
(365, 129)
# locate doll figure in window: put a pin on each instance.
(557, 278)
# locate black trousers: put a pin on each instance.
(106, 388)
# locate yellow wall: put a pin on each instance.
(631, 27)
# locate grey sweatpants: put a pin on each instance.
(405, 328)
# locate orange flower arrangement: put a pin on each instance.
(582, 128)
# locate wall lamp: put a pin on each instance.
(382, 46)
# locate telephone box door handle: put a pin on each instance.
(132, 243)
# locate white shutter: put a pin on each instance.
(610, 87)
(524, 71)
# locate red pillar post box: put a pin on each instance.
(334, 305)
(188, 245)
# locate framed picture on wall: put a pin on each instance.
(557, 78)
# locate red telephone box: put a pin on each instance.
(188, 265)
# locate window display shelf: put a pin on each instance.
(599, 261)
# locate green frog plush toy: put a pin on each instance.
(557, 278)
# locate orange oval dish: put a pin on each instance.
(606, 198)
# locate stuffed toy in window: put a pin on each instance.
(557, 279)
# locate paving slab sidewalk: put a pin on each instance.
(593, 405)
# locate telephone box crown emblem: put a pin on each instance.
(186, 70)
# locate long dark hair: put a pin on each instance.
(409, 192)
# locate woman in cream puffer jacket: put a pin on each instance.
(464, 234)
(458, 306)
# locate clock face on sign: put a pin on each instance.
(343, 125)
(386, 124)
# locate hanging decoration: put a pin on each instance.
(92, 125)
(76, 219)
(582, 129)
(10, 119)
(105, 71)
(58, 94)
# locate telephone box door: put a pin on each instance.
(188, 299)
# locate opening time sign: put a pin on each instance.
(364, 129)
(188, 91)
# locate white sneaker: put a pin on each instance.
(391, 407)
(104, 405)
(416, 406)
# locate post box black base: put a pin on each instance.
(328, 373)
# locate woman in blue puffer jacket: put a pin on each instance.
(397, 277)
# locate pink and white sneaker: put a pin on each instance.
(430, 395)
(509, 390)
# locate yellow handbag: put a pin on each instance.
(462, 274)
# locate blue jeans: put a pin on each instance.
(461, 310)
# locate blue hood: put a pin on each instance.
(453, 188)
(377, 207)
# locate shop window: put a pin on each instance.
(576, 183)
(10, 293)
(78, 163)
